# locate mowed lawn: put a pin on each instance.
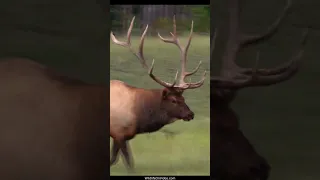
(187, 152)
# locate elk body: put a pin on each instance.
(51, 126)
(233, 157)
(136, 110)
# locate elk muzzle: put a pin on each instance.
(184, 112)
(189, 116)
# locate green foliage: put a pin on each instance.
(165, 24)
(115, 14)
(201, 14)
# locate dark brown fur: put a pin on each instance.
(233, 155)
(135, 110)
(162, 107)
(50, 128)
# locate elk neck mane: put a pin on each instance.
(150, 115)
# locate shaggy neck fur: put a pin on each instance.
(150, 115)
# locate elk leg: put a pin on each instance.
(125, 149)
(114, 153)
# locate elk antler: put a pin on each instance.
(183, 52)
(237, 77)
(127, 44)
(140, 55)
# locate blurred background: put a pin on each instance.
(187, 152)
(69, 36)
(159, 18)
(282, 120)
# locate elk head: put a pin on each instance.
(172, 100)
(233, 155)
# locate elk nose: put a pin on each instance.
(191, 115)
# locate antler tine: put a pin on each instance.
(140, 54)
(249, 39)
(196, 84)
(284, 67)
(249, 77)
(159, 81)
(184, 51)
(122, 43)
(127, 43)
(282, 73)
(174, 39)
(184, 73)
(264, 77)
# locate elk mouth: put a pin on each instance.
(189, 117)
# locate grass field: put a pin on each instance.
(188, 152)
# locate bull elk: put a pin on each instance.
(136, 110)
(233, 157)
(51, 126)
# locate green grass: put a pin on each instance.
(188, 152)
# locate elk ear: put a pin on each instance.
(165, 93)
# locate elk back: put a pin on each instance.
(51, 127)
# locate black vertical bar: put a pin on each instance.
(105, 60)
(212, 31)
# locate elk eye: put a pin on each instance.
(174, 101)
